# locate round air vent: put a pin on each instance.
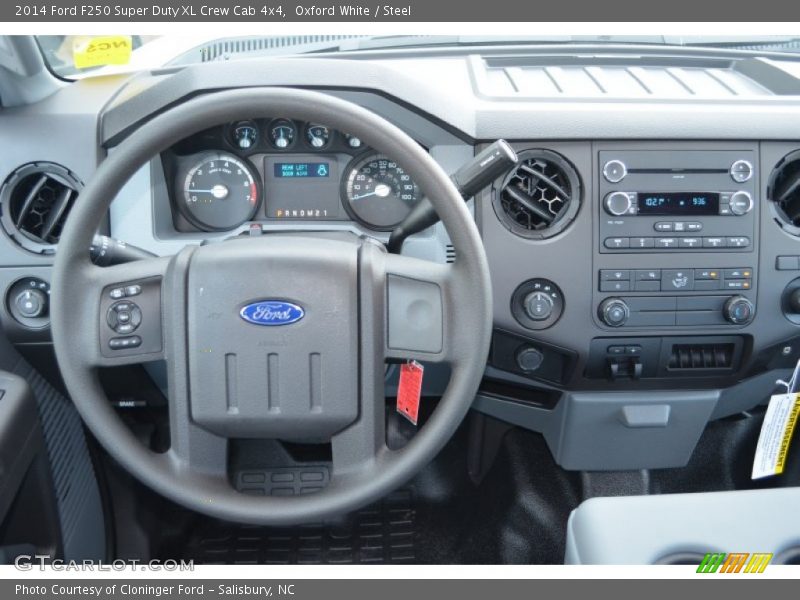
(35, 201)
(541, 196)
(783, 191)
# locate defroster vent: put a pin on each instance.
(35, 201)
(541, 196)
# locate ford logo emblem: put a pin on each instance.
(272, 313)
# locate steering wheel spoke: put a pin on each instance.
(418, 323)
(120, 321)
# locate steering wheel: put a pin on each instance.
(281, 336)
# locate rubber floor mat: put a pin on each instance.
(383, 533)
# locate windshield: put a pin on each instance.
(77, 56)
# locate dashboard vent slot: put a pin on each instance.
(35, 201)
(783, 191)
(541, 196)
(223, 50)
(701, 356)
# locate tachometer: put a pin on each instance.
(220, 192)
(378, 192)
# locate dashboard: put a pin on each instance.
(644, 251)
(281, 170)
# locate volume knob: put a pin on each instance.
(618, 204)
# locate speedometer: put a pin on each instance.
(220, 192)
(378, 192)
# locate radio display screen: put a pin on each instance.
(678, 203)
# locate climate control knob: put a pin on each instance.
(614, 312)
(741, 203)
(738, 310)
(618, 204)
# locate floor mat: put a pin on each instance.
(381, 534)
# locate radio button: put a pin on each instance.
(617, 242)
(642, 242)
(679, 226)
(666, 242)
(648, 275)
(713, 242)
(614, 275)
(614, 171)
(664, 226)
(681, 280)
(706, 274)
(615, 286)
(694, 226)
(725, 210)
(738, 242)
(741, 171)
(693, 242)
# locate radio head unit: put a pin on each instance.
(664, 201)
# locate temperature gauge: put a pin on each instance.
(282, 133)
(245, 135)
(318, 136)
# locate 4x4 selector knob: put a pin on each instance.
(538, 305)
(738, 310)
(614, 312)
(741, 203)
(618, 204)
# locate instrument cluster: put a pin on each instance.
(282, 169)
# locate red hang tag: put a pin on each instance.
(409, 390)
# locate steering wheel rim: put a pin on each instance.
(182, 476)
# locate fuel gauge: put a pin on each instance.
(282, 133)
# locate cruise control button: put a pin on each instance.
(133, 290)
(619, 242)
(123, 316)
(124, 328)
(117, 293)
(674, 280)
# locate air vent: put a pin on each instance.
(701, 356)
(783, 191)
(541, 196)
(450, 253)
(35, 201)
